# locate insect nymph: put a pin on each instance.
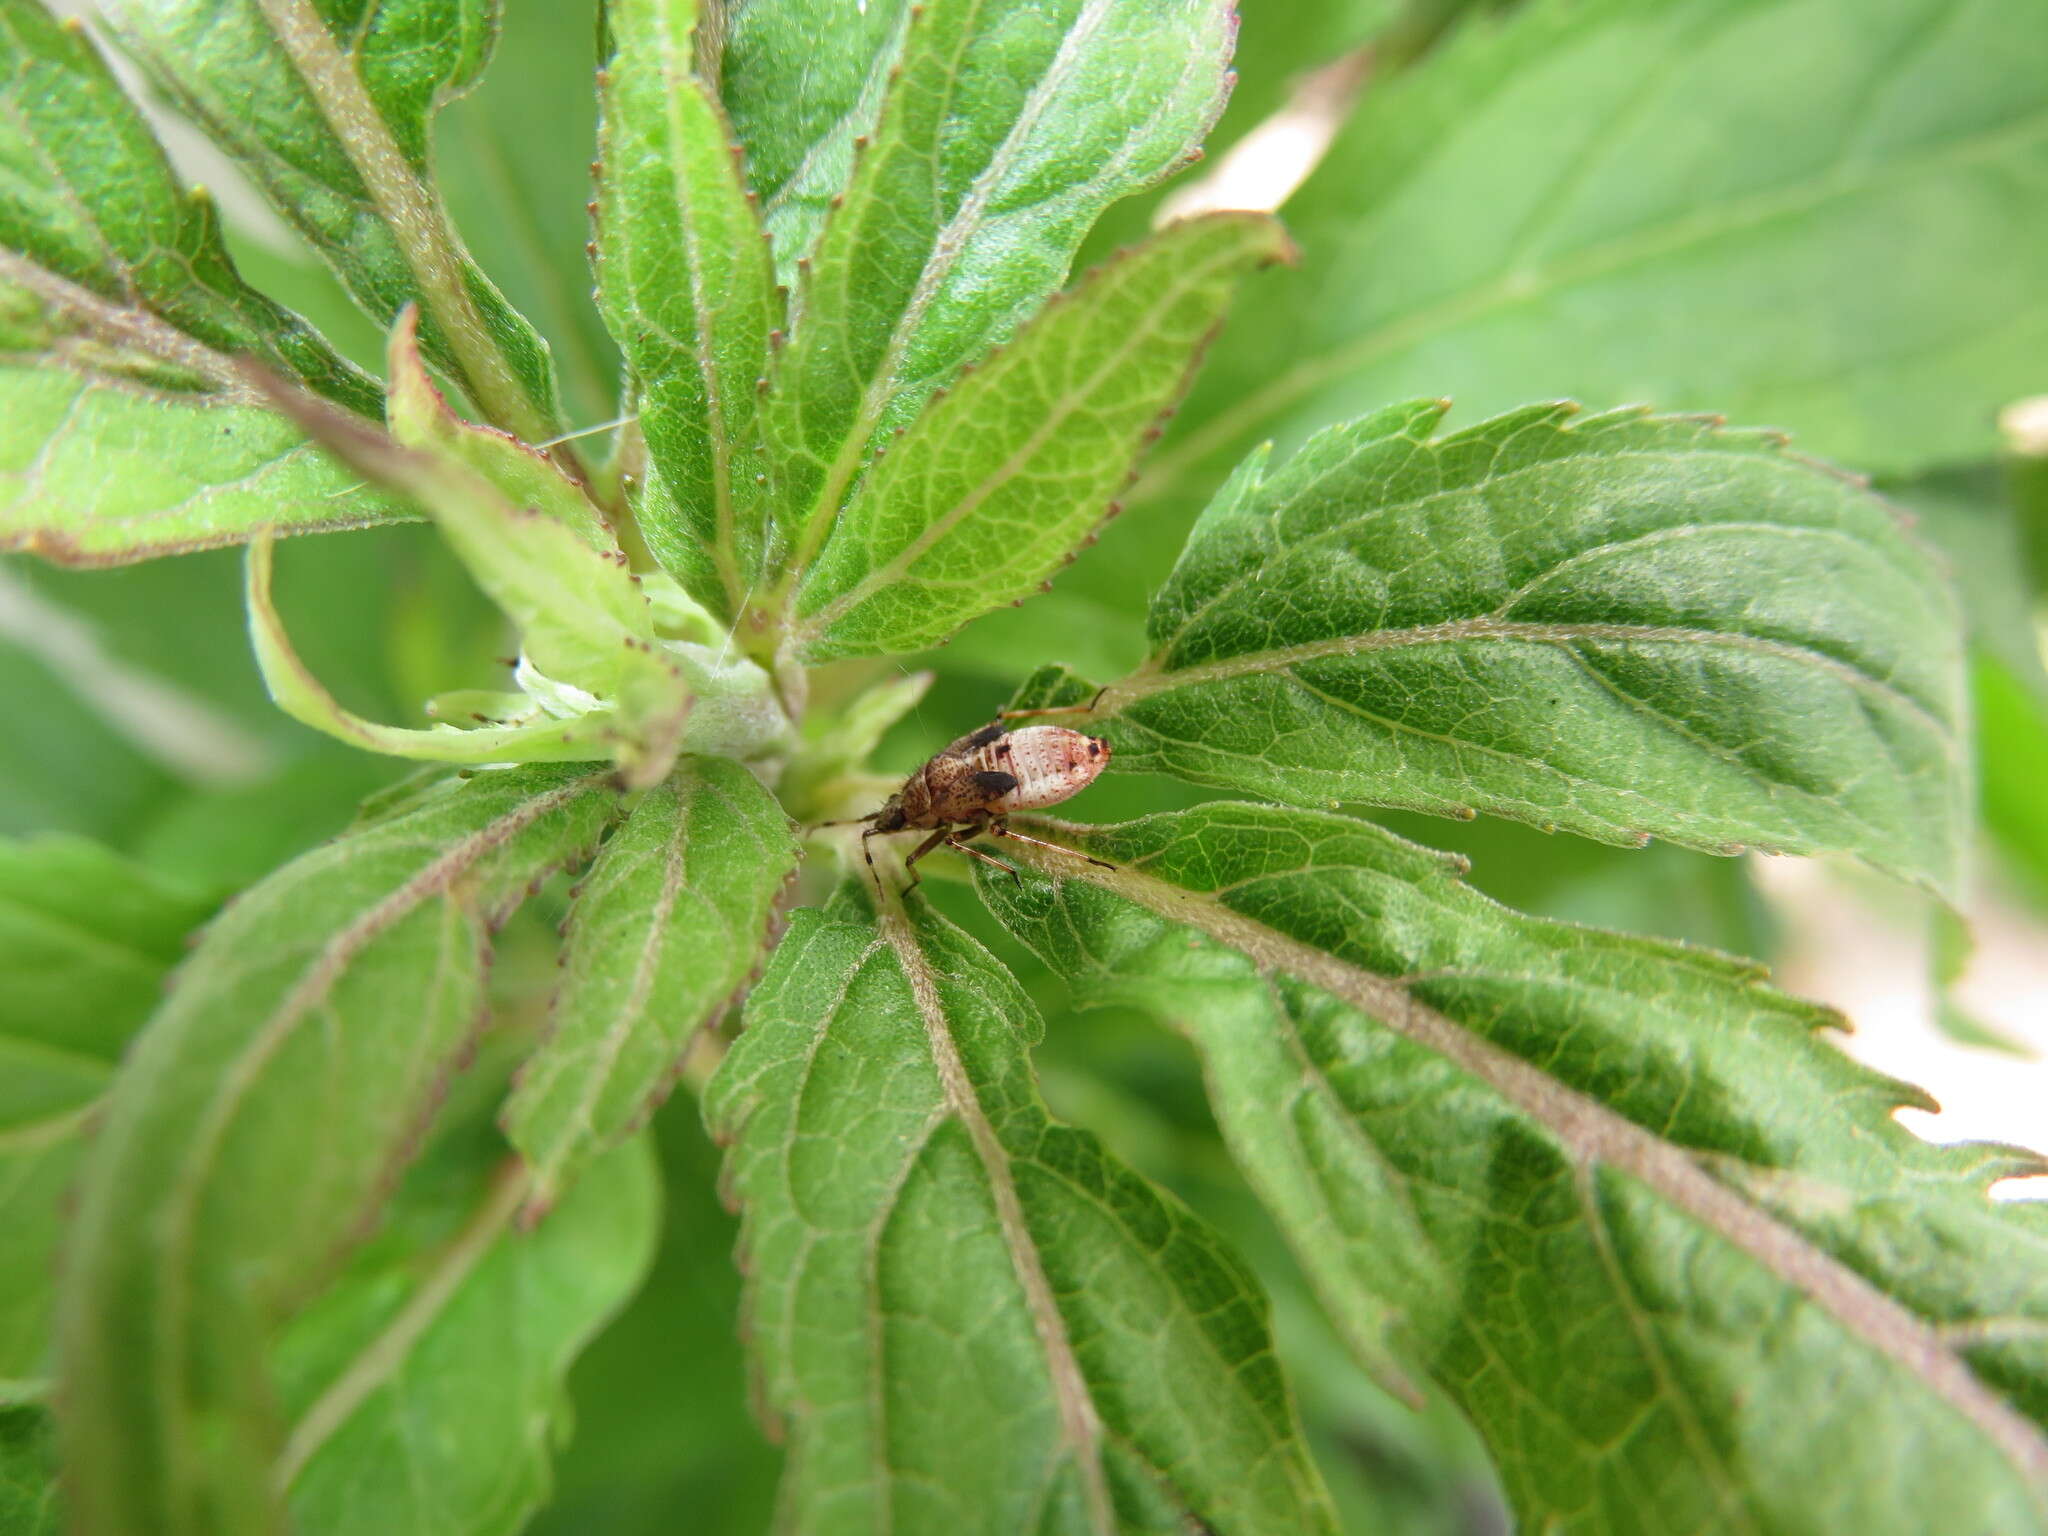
(971, 787)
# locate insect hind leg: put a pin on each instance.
(961, 845)
(1056, 709)
(1002, 829)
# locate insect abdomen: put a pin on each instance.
(1049, 762)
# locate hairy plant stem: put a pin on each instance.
(428, 244)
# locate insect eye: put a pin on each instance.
(1094, 749)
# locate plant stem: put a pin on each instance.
(416, 218)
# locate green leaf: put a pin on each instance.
(1970, 516)
(425, 1387)
(1004, 132)
(92, 216)
(511, 159)
(86, 939)
(258, 1124)
(125, 427)
(996, 484)
(1287, 58)
(2012, 734)
(688, 289)
(28, 1474)
(1658, 1240)
(328, 106)
(1627, 627)
(669, 923)
(645, 1447)
(801, 81)
(1693, 203)
(912, 1215)
(76, 771)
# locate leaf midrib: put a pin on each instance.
(1144, 684)
(1080, 1421)
(134, 326)
(1580, 449)
(385, 1354)
(1592, 1134)
(655, 938)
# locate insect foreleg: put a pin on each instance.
(868, 853)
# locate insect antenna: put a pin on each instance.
(851, 821)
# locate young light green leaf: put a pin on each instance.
(1627, 627)
(425, 1387)
(124, 428)
(1612, 1193)
(1673, 202)
(420, 418)
(581, 619)
(594, 734)
(687, 287)
(86, 939)
(1006, 129)
(584, 627)
(667, 926)
(259, 1122)
(998, 483)
(329, 107)
(803, 82)
(912, 1214)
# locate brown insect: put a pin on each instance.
(971, 786)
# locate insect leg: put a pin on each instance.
(874, 874)
(1056, 709)
(944, 834)
(962, 846)
(1002, 829)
